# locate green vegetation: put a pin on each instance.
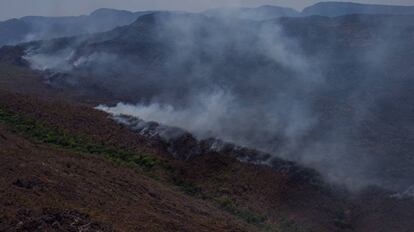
(189, 188)
(243, 213)
(59, 138)
(223, 203)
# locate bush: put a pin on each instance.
(55, 136)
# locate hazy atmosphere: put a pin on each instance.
(209, 115)
(19, 8)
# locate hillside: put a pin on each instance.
(63, 140)
(12, 31)
(55, 189)
(83, 167)
(258, 14)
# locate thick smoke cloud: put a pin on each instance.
(312, 98)
(201, 85)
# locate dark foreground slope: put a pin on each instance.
(69, 167)
(66, 167)
(46, 188)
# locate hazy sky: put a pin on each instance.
(19, 8)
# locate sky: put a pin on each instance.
(18, 8)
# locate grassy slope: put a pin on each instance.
(26, 117)
(78, 128)
(50, 134)
(97, 167)
(37, 177)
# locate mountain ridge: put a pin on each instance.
(41, 27)
(333, 9)
(104, 19)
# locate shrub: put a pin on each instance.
(58, 137)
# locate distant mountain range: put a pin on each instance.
(31, 28)
(332, 9)
(258, 14)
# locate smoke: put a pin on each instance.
(204, 112)
(314, 90)
(58, 61)
(259, 108)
